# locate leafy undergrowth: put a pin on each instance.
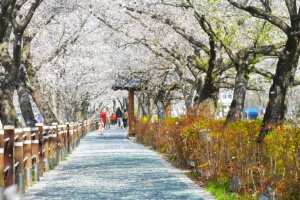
(220, 191)
(215, 154)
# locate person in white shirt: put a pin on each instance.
(107, 125)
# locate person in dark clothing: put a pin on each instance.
(125, 118)
(119, 115)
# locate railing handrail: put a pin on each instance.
(30, 146)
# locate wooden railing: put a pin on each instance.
(26, 153)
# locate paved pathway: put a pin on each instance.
(111, 167)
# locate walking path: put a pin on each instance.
(110, 166)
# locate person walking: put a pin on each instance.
(125, 118)
(107, 125)
(113, 119)
(101, 127)
(119, 115)
(103, 116)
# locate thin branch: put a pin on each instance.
(259, 13)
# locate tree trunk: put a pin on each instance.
(198, 87)
(114, 109)
(188, 99)
(8, 112)
(284, 77)
(5, 14)
(210, 92)
(24, 100)
(142, 105)
(160, 104)
(187, 92)
(39, 99)
(240, 88)
(36, 92)
(152, 110)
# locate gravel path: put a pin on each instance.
(111, 167)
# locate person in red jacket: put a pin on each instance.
(113, 119)
(103, 116)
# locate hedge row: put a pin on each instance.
(230, 154)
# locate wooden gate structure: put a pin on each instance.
(131, 85)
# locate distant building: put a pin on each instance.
(224, 103)
(225, 99)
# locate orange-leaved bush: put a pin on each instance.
(198, 142)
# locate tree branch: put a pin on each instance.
(259, 13)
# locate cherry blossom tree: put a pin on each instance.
(287, 62)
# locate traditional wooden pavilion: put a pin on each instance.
(131, 85)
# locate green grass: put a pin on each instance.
(221, 192)
(33, 177)
(51, 163)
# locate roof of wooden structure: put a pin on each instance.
(123, 83)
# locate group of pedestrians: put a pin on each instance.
(122, 118)
(107, 119)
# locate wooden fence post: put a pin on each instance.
(55, 143)
(34, 155)
(46, 163)
(87, 126)
(76, 134)
(51, 147)
(80, 130)
(19, 160)
(2, 182)
(84, 127)
(72, 137)
(60, 143)
(9, 155)
(68, 147)
(27, 153)
(65, 140)
(41, 148)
